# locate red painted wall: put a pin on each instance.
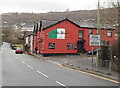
(110, 39)
(61, 44)
(87, 38)
(71, 36)
(34, 42)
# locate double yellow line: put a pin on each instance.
(91, 74)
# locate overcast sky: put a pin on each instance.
(42, 6)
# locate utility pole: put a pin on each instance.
(98, 18)
(98, 29)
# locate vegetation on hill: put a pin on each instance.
(10, 36)
(107, 15)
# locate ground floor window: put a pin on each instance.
(51, 46)
(104, 43)
(74, 46)
(71, 46)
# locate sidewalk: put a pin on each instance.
(82, 63)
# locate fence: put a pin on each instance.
(89, 63)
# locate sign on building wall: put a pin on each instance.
(58, 33)
(94, 40)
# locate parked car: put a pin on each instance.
(13, 47)
(92, 51)
(18, 50)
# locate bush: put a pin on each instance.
(114, 56)
(115, 64)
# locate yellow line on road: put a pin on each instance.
(91, 74)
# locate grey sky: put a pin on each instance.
(41, 6)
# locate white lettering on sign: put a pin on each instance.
(94, 37)
(94, 40)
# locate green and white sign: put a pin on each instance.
(58, 33)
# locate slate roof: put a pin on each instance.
(94, 25)
(27, 33)
(47, 23)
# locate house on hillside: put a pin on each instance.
(28, 28)
(67, 36)
(29, 42)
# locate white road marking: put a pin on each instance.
(23, 62)
(61, 84)
(41, 73)
(20, 60)
(30, 66)
(17, 57)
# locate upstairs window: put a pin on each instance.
(109, 33)
(80, 34)
(90, 31)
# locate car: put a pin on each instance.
(19, 50)
(14, 47)
(92, 51)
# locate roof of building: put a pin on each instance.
(52, 23)
(28, 33)
(48, 23)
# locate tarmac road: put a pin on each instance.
(25, 70)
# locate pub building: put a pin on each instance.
(67, 36)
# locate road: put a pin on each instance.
(0, 66)
(25, 70)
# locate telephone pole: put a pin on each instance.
(98, 18)
(98, 30)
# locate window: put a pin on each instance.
(80, 34)
(51, 45)
(109, 33)
(69, 46)
(90, 31)
(104, 43)
(74, 46)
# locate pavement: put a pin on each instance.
(26, 70)
(72, 61)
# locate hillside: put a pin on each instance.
(81, 15)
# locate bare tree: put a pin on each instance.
(109, 14)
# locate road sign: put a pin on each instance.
(94, 40)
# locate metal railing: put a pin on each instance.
(104, 66)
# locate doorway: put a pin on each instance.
(80, 46)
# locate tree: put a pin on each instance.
(109, 14)
(119, 33)
(10, 36)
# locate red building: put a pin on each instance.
(66, 36)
